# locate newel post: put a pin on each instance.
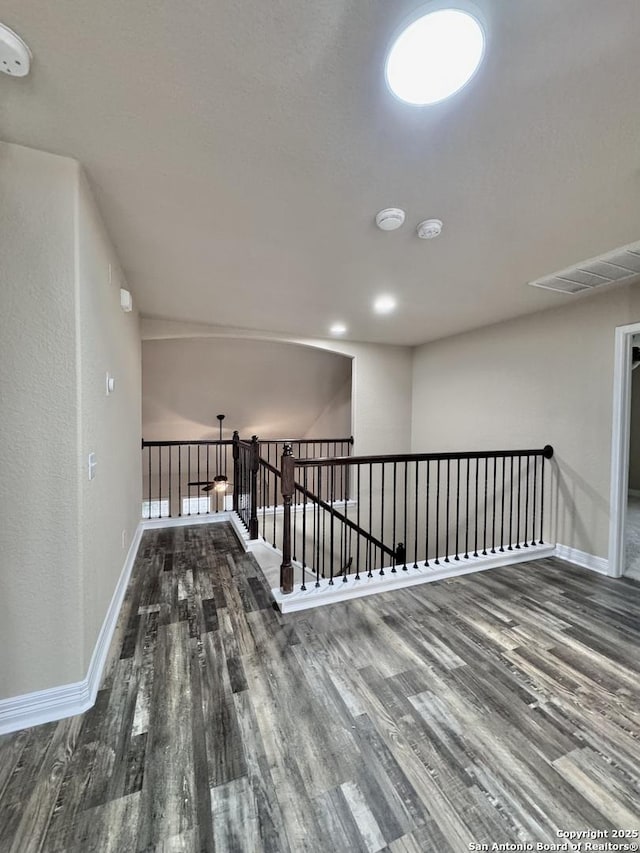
(288, 485)
(236, 469)
(255, 466)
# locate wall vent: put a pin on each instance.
(620, 265)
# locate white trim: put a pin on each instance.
(186, 520)
(582, 559)
(56, 703)
(620, 446)
(344, 591)
(634, 493)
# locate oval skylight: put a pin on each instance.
(435, 56)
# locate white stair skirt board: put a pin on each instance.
(315, 596)
(582, 559)
(56, 703)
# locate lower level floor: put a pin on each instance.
(490, 708)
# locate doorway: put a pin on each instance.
(624, 527)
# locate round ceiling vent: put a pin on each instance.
(390, 218)
(15, 56)
(429, 229)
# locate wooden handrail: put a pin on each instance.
(333, 461)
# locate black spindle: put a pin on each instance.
(486, 481)
(446, 544)
(518, 506)
(526, 506)
(437, 559)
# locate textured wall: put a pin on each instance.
(381, 388)
(546, 378)
(268, 388)
(109, 340)
(40, 604)
(61, 329)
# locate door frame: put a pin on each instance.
(620, 435)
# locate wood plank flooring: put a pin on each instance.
(492, 708)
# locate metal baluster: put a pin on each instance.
(466, 523)
(486, 478)
(149, 457)
(504, 462)
(319, 481)
(189, 486)
(415, 526)
(526, 506)
(426, 516)
(518, 515)
(535, 497)
(457, 556)
(209, 480)
(179, 480)
(395, 500)
(382, 524)
(510, 547)
(437, 559)
(170, 508)
(446, 547)
(493, 517)
(324, 537)
(159, 481)
(475, 550)
(369, 550)
(358, 523)
(346, 561)
(199, 494)
(331, 539)
(304, 529)
(405, 540)
(542, 467)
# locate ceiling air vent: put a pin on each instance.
(619, 265)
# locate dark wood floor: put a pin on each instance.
(494, 707)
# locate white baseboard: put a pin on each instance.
(351, 588)
(187, 520)
(56, 703)
(582, 559)
(635, 493)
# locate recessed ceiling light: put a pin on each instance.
(390, 218)
(435, 56)
(338, 329)
(384, 304)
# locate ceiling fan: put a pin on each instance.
(220, 482)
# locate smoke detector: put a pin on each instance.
(390, 218)
(15, 56)
(429, 229)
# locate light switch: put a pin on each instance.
(92, 465)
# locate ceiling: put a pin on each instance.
(239, 152)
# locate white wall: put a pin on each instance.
(40, 596)
(110, 425)
(381, 388)
(542, 379)
(60, 331)
(266, 388)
